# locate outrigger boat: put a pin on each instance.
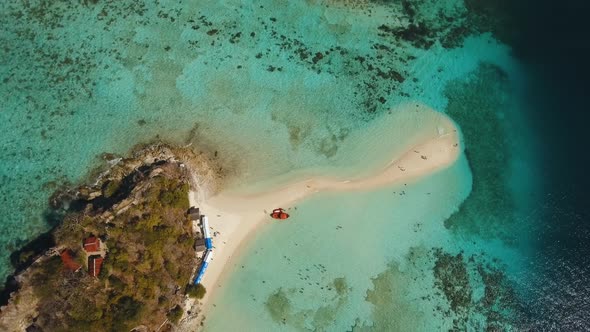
(279, 214)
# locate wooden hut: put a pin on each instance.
(194, 213)
(68, 261)
(94, 265)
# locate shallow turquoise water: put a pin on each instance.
(351, 237)
(365, 261)
(246, 80)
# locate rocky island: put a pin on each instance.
(124, 254)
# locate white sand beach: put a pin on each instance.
(234, 217)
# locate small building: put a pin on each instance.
(68, 261)
(200, 245)
(92, 244)
(94, 265)
(194, 213)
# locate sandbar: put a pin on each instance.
(234, 217)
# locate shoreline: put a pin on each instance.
(235, 217)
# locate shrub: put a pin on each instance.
(175, 198)
(175, 314)
(116, 283)
(127, 308)
(110, 188)
(48, 275)
(25, 256)
(196, 291)
(83, 309)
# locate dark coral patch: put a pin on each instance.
(417, 34)
(488, 149)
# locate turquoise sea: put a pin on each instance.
(276, 87)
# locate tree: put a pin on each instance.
(197, 291)
(175, 314)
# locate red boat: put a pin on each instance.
(279, 214)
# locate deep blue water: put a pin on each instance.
(552, 42)
(564, 250)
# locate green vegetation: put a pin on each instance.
(175, 314)
(196, 291)
(150, 256)
(110, 188)
(176, 198)
(25, 256)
